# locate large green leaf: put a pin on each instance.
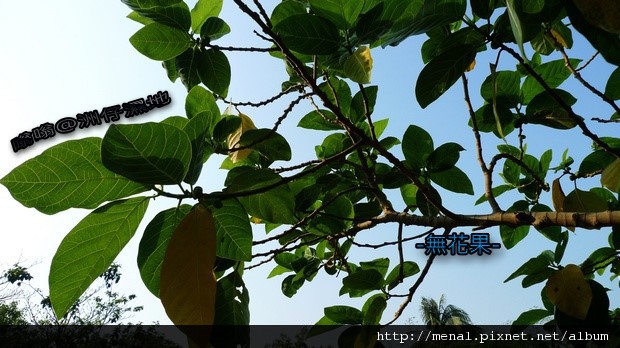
(538, 265)
(373, 309)
(319, 120)
(89, 249)
(344, 314)
(554, 73)
(149, 153)
(409, 268)
(364, 279)
(276, 205)
(268, 143)
(234, 233)
(199, 100)
(286, 9)
(544, 109)
(187, 65)
(68, 175)
(145, 4)
(160, 42)
(442, 72)
(154, 243)
(203, 10)
(232, 314)
(444, 157)
(507, 88)
(197, 129)
(612, 88)
(176, 16)
(309, 34)
(214, 71)
(343, 13)
(214, 28)
(454, 180)
(417, 146)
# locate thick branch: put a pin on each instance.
(536, 219)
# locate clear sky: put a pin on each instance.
(64, 57)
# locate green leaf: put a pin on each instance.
(170, 66)
(67, 175)
(175, 16)
(309, 34)
(234, 233)
(203, 10)
(160, 42)
(213, 29)
(483, 8)
(286, 9)
(442, 72)
(268, 143)
(214, 71)
(409, 192)
(343, 314)
(409, 268)
(454, 180)
(276, 205)
(199, 100)
(319, 121)
(532, 6)
(512, 236)
(364, 279)
(144, 4)
(444, 157)
(612, 88)
(176, 121)
(595, 161)
(531, 317)
(358, 66)
(89, 249)
(154, 243)
(584, 201)
(149, 153)
(508, 84)
(373, 309)
(135, 16)
(496, 192)
(554, 73)
(197, 129)
(515, 24)
(187, 65)
(417, 146)
(544, 109)
(343, 13)
(232, 301)
(536, 265)
(426, 207)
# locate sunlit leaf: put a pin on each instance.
(160, 42)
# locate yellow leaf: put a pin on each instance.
(558, 38)
(611, 176)
(569, 291)
(557, 195)
(358, 66)
(471, 66)
(235, 137)
(188, 284)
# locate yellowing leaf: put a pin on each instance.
(569, 291)
(471, 66)
(187, 286)
(611, 176)
(557, 195)
(358, 66)
(558, 38)
(233, 139)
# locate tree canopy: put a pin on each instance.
(316, 210)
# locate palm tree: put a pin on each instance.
(438, 314)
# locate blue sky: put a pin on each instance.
(65, 57)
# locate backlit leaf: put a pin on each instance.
(68, 175)
(611, 176)
(308, 34)
(150, 153)
(188, 284)
(203, 10)
(89, 249)
(160, 42)
(358, 66)
(214, 71)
